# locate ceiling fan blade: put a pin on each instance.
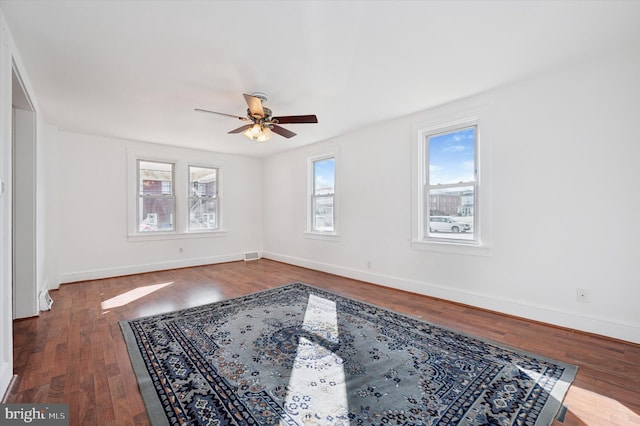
(255, 105)
(296, 119)
(282, 131)
(240, 129)
(221, 113)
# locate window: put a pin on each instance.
(156, 196)
(173, 198)
(451, 182)
(203, 198)
(322, 208)
(450, 186)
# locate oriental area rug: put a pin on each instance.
(299, 355)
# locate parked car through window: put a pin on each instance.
(447, 224)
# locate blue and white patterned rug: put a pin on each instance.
(298, 355)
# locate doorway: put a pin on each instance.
(24, 279)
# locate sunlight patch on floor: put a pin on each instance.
(533, 375)
(580, 403)
(131, 296)
(317, 390)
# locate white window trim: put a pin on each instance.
(448, 122)
(173, 195)
(181, 180)
(218, 197)
(310, 232)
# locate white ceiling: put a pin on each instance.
(137, 69)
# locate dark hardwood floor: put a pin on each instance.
(75, 352)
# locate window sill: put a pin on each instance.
(451, 247)
(325, 236)
(177, 236)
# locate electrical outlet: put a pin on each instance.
(582, 295)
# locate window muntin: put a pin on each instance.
(156, 196)
(323, 195)
(451, 186)
(203, 198)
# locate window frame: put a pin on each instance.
(140, 197)
(190, 197)
(311, 230)
(448, 123)
(181, 193)
(427, 135)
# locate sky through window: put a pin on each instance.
(451, 157)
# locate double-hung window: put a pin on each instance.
(322, 208)
(173, 198)
(156, 196)
(450, 185)
(203, 198)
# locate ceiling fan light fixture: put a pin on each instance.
(255, 130)
(266, 135)
(258, 133)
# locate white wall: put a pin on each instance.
(49, 202)
(93, 203)
(564, 201)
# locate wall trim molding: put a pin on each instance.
(142, 268)
(599, 326)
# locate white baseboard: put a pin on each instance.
(150, 267)
(600, 326)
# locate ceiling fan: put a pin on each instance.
(262, 124)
